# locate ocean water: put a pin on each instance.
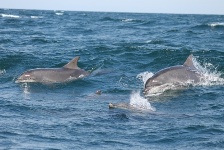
(121, 50)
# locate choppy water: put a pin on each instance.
(122, 50)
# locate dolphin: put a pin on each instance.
(175, 75)
(121, 106)
(127, 106)
(68, 72)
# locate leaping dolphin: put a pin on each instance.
(176, 75)
(67, 73)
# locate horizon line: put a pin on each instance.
(98, 11)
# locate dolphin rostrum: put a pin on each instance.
(176, 75)
(67, 73)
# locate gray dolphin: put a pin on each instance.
(176, 75)
(128, 106)
(121, 106)
(67, 73)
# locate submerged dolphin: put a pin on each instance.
(128, 106)
(125, 106)
(176, 75)
(121, 106)
(67, 73)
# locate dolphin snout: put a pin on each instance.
(145, 91)
(18, 80)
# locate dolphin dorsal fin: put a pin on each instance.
(189, 62)
(72, 64)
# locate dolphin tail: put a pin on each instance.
(72, 64)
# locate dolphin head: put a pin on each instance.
(150, 84)
(27, 76)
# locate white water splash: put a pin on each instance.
(140, 102)
(144, 76)
(210, 75)
(25, 88)
(2, 72)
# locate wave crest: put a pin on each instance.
(215, 24)
(59, 13)
(9, 16)
(36, 17)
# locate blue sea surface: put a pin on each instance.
(121, 50)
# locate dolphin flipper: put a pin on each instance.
(72, 64)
